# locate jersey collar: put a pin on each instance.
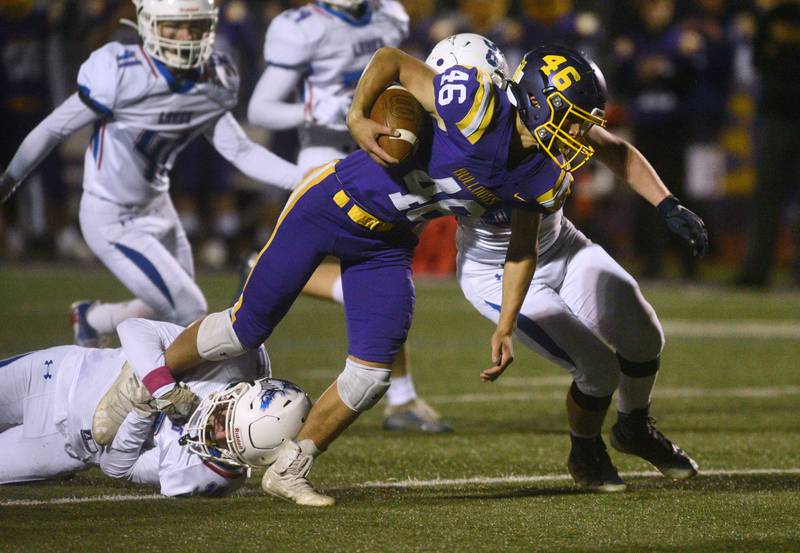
(346, 17)
(181, 87)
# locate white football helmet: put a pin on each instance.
(258, 417)
(471, 50)
(179, 54)
(349, 5)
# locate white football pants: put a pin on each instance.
(32, 446)
(581, 308)
(147, 250)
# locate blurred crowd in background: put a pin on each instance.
(707, 89)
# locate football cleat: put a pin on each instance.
(287, 478)
(591, 467)
(82, 332)
(635, 434)
(414, 416)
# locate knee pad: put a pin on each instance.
(216, 339)
(635, 369)
(360, 387)
(588, 402)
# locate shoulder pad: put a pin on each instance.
(465, 99)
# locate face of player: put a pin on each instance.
(217, 424)
(184, 30)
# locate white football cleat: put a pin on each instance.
(287, 478)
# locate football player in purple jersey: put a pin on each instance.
(491, 148)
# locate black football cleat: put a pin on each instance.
(635, 433)
(591, 467)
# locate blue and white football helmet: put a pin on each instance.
(470, 50)
(258, 417)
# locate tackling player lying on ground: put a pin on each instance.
(323, 47)
(583, 311)
(65, 409)
(147, 102)
(363, 209)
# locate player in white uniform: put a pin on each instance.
(323, 47)
(146, 103)
(49, 400)
(583, 311)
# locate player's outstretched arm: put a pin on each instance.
(520, 264)
(629, 165)
(230, 140)
(65, 120)
(268, 107)
(387, 66)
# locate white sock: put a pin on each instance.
(337, 293)
(104, 317)
(308, 447)
(634, 392)
(401, 390)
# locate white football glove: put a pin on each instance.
(331, 111)
(126, 394)
(7, 186)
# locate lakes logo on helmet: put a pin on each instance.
(559, 95)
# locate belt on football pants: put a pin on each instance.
(358, 215)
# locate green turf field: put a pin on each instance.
(729, 394)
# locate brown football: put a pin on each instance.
(398, 109)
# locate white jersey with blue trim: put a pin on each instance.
(485, 239)
(330, 47)
(162, 461)
(147, 117)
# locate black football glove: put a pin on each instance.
(685, 224)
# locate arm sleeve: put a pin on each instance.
(268, 108)
(144, 342)
(65, 120)
(465, 101)
(256, 162)
(119, 459)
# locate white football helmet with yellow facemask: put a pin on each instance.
(245, 425)
(179, 33)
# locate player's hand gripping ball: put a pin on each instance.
(397, 108)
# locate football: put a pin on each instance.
(398, 109)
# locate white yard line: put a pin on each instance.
(410, 484)
(731, 329)
(659, 392)
(531, 479)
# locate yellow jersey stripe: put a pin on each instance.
(310, 182)
(480, 104)
(487, 118)
(555, 197)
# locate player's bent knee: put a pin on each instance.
(216, 339)
(360, 387)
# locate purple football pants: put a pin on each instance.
(376, 272)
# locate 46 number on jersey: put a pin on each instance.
(451, 89)
(419, 204)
